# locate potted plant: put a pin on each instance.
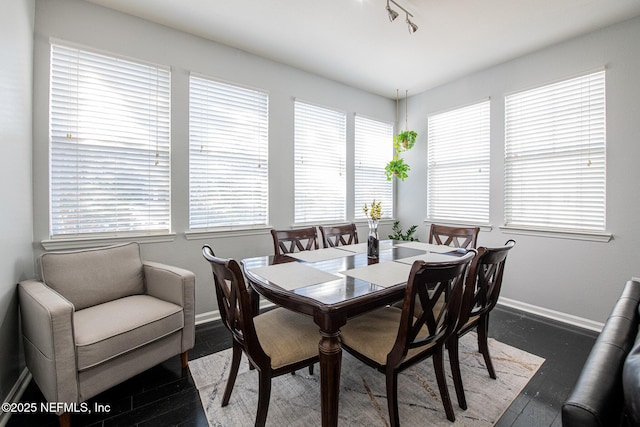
(398, 168)
(404, 140)
(399, 235)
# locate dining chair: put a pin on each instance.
(288, 241)
(339, 235)
(459, 237)
(391, 339)
(276, 342)
(482, 289)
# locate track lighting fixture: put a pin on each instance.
(393, 15)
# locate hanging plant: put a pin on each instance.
(404, 140)
(397, 168)
(401, 142)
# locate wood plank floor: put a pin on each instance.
(166, 396)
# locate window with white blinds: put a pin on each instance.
(555, 155)
(228, 155)
(458, 148)
(373, 150)
(110, 144)
(320, 155)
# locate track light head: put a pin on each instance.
(392, 14)
(412, 27)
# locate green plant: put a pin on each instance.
(404, 140)
(399, 235)
(398, 168)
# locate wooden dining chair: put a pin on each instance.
(459, 237)
(482, 289)
(391, 339)
(337, 235)
(288, 241)
(276, 342)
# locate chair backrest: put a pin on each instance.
(482, 287)
(432, 303)
(94, 276)
(234, 303)
(339, 235)
(288, 241)
(459, 237)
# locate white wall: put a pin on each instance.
(569, 276)
(87, 24)
(16, 253)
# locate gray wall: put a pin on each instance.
(556, 277)
(16, 214)
(90, 25)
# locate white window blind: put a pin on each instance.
(458, 147)
(373, 150)
(110, 143)
(320, 151)
(228, 155)
(555, 155)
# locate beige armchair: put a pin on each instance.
(101, 316)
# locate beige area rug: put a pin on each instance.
(295, 399)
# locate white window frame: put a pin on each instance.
(110, 122)
(555, 158)
(373, 148)
(320, 164)
(458, 165)
(228, 156)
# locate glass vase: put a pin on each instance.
(373, 242)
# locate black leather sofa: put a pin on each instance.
(607, 392)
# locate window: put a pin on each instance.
(555, 155)
(458, 147)
(110, 143)
(373, 150)
(320, 147)
(228, 155)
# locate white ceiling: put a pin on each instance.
(352, 41)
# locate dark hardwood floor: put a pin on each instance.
(166, 396)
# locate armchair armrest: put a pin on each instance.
(174, 285)
(49, 345)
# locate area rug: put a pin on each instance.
(295, 399)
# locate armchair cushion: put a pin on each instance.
(94, 276)
(105, 331)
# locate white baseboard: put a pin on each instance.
(570, 319)
(15, 394)
(552, 314)
(211, 316)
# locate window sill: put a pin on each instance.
(483, 227)
(593, 236)
(227, 232)
(66, 243)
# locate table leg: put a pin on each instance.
(330, 364)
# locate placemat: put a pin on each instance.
(293, 275)
(385, 274)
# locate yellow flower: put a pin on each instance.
(375, 212)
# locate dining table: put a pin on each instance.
(333, 285)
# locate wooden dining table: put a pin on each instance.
(333, 285)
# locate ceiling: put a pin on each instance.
(353, 41)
